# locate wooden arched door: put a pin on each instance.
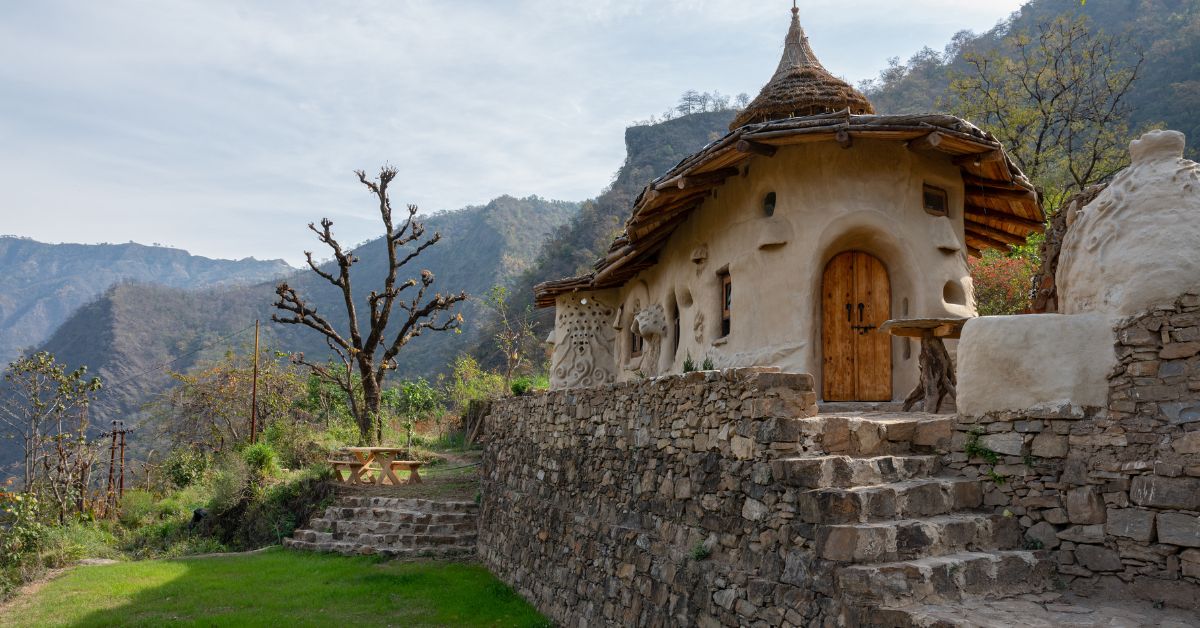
(856, 298)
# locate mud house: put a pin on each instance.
(788, 242)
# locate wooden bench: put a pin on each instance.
(413, 468)
(353, 468)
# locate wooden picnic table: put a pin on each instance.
(937, 371)
(385, 457)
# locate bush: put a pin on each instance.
(296, 443)
(183, 467)
(266, 517)
(521, 385)
(230, 483)
(136, 507)
(262, 458)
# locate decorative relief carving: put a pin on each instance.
(1134, 246)
(583, 355)
(698, 327)
(651, 325)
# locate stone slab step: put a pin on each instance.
(337, 547)
(843, 471)
(908, 499)
(917, 538)
(944, 578)
(408, 504)
(385, 540)
(877, 433)
(387, 527)
(392, 515)
(1041, 610)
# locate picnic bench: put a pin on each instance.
(937, 371)
(376, 465)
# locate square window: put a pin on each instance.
(936, 201)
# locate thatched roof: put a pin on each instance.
(801, 86)
(1001, 206)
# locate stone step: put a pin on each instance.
(386, 540)
(944, 578)
(1034, 610)
(917, 538)
(339, 547)
(388, 527)
(407, 504)
(844, 471)
(877, 433)
(909, 499)
(392, 515)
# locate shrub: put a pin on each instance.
(296, 443)
(521, 385)
(708, 365)
(136, 508)
(1002, 283)
(183, 467)
(262, 458)
(230, 483)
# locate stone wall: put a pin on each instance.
(1114, 491)
(653, 502)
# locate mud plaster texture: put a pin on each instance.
(828, 200)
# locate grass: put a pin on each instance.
(273, 588)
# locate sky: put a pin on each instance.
(225, 126)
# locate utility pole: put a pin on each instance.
(109, 495)
(254, 389)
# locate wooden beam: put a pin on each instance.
(843, 138)
(979, 212)
(994, 233)
(715, 177)
(990, 156)
(757, 148)
(972, 180)
(1015, 195)
(926, 142)
(1000, 241)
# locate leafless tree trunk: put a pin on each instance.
(422, 312)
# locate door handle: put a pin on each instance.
(849, 313)
(860, 312)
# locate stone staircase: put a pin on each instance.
(902, 533)
(390, 526)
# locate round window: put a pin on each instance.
(769, 204)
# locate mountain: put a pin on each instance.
(128, 333)
(572, 249)
(1167, 91)
(42, 284)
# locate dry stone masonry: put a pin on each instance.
(1113, 491)
(393, 527)
(723, 499)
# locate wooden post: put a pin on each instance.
(254, 389)
(121, 481)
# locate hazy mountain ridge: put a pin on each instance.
(42, 284)
(137, 327)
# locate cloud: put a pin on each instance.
(224, 127)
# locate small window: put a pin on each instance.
(726, 303)
(635, 345)
(936, 201)
(769, 204)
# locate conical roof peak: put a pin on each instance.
(801, 86)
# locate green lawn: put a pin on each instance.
(274, 588)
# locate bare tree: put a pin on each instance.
(420, 313)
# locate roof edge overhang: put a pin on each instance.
(1001, 205)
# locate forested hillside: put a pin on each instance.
(42, 284)
(1167, 31)
(133, 328)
